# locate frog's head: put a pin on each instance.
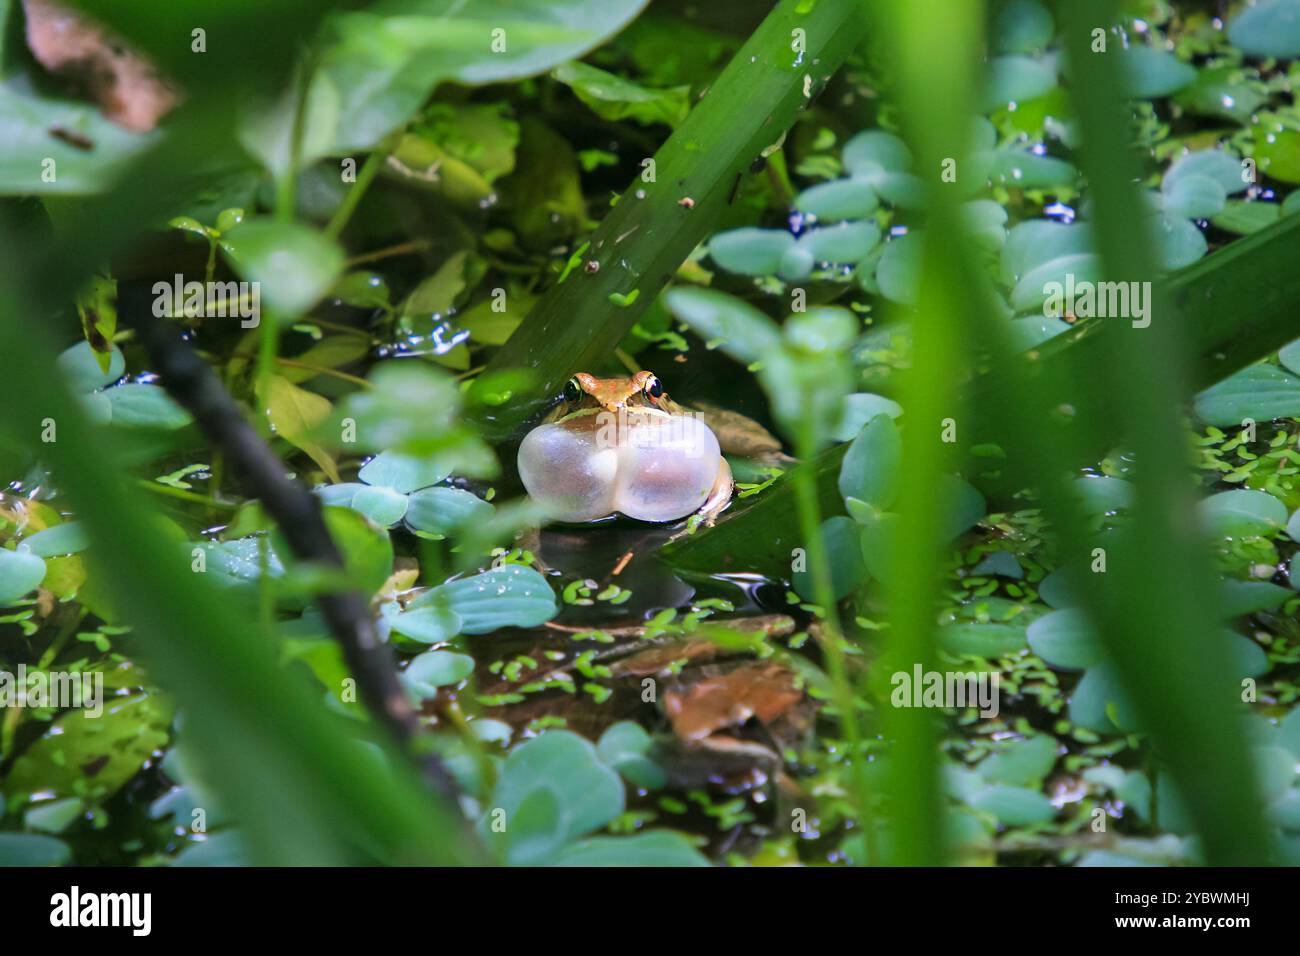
(585, 394)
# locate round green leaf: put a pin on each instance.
(838, 199)
(656, 848)
(871, 469)
(293, 264)
(384, 506)
(431, 623)
(750, 251)
(508, 596)
(445, 510)
(876, 149)
(1066, 640)
(145, 406)
(66, 538)
(589, 791)
(899, 271)
(1222, 166)
(1153, 73)
(1268, 29)
(1022, 26)
(1289, 354)
(82, 371)
(1025, 170)
(20, 573)
(1243, 512)
(847, 242)
(32, 849)
(1195, 197)
(840, 540)
(1258, 392)
(860, 408)
(434, 669)
(402, 473)
(745, 333)
(1021, 763)
(1015, 79)
(1014, 806)
(990, 640)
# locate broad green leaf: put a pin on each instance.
(445, 510)
(1014, 79)
(1021, 763)
(1022, 26)
(32, 849)
(589, 791)
(1243, 512)
(1035, 242)
(656, 848)
(81, 369)
(1102, 494)
(614, 97)
(966, 506)
(430, 623)
(402, 473)
(840, 539)
(36, 161)
(1289, 354)
(92, 755)
(750, 251)
(743, 332)
(508, 596)
(387, 59)
(1035, 286)
(1222, 166)
(20, 573)
(66, 538)
(384, 506)
(876, 150)
(1024, 170)
(1097, 697)
(1277, 151)
(838, 199)
(1195, 197)
(293, 264)
(1066, 640)
(899, 271)
(139, 405)
(626, 746)
(1268, 29)
(434, 669)
(872, 466)
(1247, 597)
(295, 414)
(846, 242)
(1014, 806)
(536, 831)
(1246, 216)
(991, 640)
(860, 408)
(1153, 73)
(1258, 392)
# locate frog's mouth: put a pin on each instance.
(647, 464)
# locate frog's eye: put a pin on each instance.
(571, 390)
(654, 388)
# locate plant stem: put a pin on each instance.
(365, 176)
(810, 522)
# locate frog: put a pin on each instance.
(621, 445)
